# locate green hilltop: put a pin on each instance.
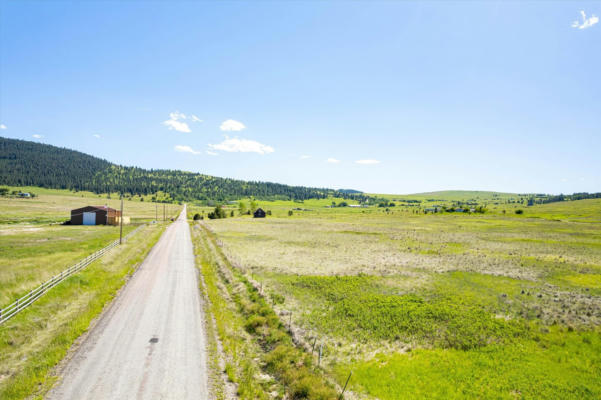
(25, 163)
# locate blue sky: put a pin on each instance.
(426, 96)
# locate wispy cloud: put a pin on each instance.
(37, 136)
(97, 136)
(367, 162)
(185, 149)
(232, 125)
(586, 22)
(333, 161)
(212, 153)
(3, 127)
(175, 122)
(304, 157)
(237, 145)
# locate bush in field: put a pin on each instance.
(218, 213)
(290, 213)
(197, 217)
(519, 211)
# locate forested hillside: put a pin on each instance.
(24, 163)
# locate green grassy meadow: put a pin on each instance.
(446, 305)
(414, 304)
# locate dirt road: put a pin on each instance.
(150, 343)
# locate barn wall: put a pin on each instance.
(101, 217)
(77, 215)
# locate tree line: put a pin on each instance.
(25, 163)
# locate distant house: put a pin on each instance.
(259, 213)
(96, 215)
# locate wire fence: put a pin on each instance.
(11, 310)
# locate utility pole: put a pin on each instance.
(121, 222)
(163, 212)
(156, 212)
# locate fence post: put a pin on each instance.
(320, 350)
(347, 379)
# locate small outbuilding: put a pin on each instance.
(95, 215)
(259, 213)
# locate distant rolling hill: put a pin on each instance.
(25, 163)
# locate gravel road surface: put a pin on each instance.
(150, 343)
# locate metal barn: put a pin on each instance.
(95, 215)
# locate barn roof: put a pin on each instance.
(103, 208)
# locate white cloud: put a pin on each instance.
(177, 126)
(237, 145)
(367, 162)
(304, 157)
(194, 118)
(174, 122)
(586, 22)
(37, 136)
(232, 125)
(333, 161)
(3, 127)
(176, 115)
(97, 136)
(212, 153)
(185, 149)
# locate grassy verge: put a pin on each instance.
(251, 328)
(35, 341)
(239, 352)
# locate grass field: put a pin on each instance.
(33, 247)
(493, 305)
(259, 355)
(54, 206)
